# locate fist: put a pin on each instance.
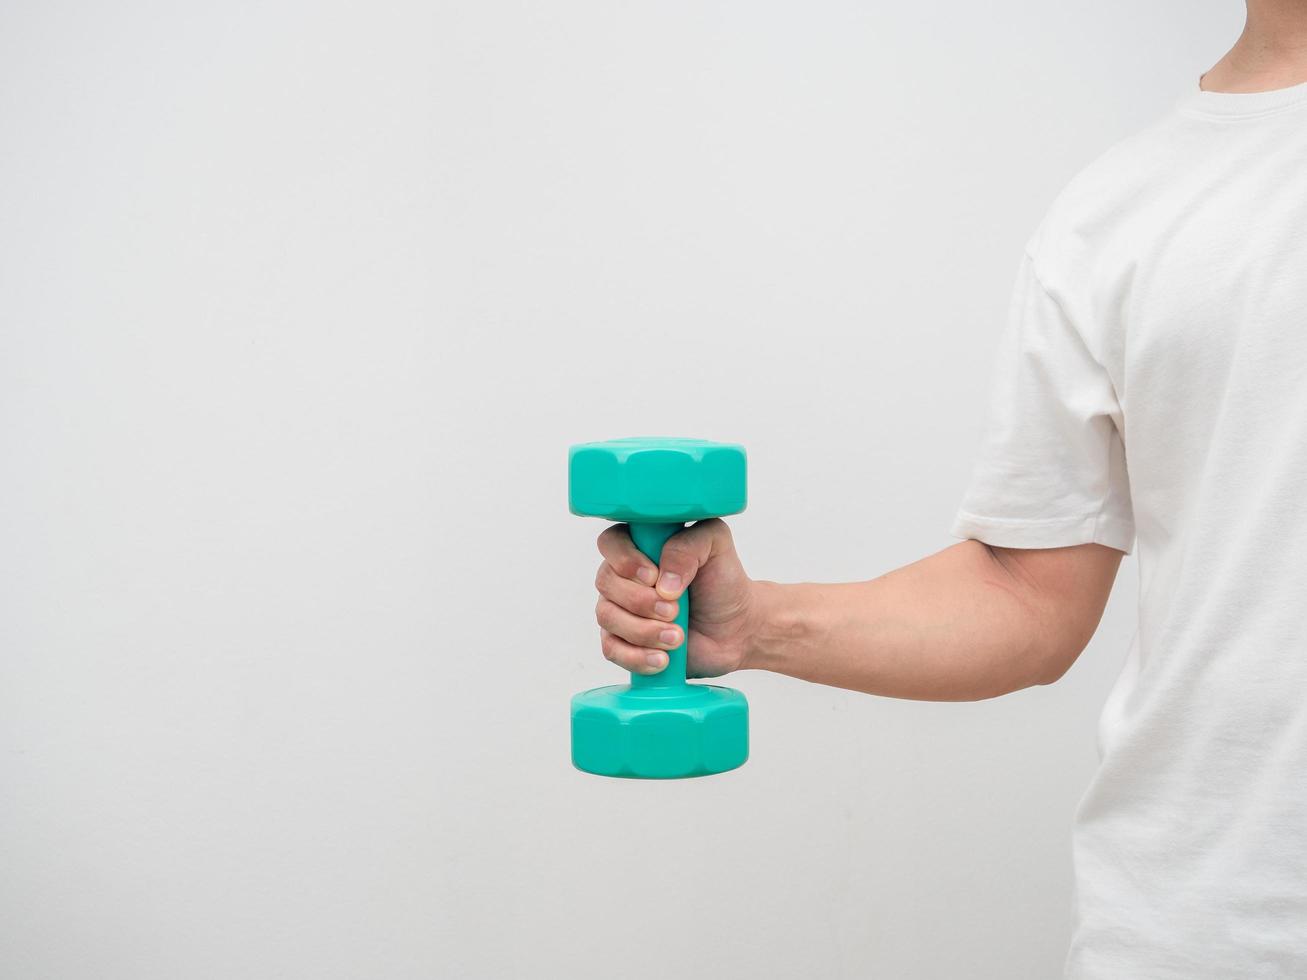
(639, 600)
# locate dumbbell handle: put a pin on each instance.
(650, 538)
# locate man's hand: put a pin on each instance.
(639, 600)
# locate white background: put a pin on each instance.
(300, 308)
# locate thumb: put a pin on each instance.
(688, 551)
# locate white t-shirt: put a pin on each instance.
(1152, 389)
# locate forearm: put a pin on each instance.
(960, 625)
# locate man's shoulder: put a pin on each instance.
(1111, 191)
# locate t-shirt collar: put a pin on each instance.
(1199, 102)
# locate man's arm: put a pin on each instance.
(966, 623)
(969, 622)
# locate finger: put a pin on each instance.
(688, 551)
(639, 632)
(619, 550)
(633, 658)
(632, 596)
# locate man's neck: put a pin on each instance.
(1271, 53)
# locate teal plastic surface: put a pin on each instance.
(655, 481)
(658, 726)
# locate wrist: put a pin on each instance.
(773, 626)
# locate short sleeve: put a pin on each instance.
(1051, 470)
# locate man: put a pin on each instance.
(1152, 388)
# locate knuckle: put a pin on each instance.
(677, 555)
(610, 537)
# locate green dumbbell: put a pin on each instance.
(658, 726)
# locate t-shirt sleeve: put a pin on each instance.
(1051, 470)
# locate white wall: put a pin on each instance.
(300, 308)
